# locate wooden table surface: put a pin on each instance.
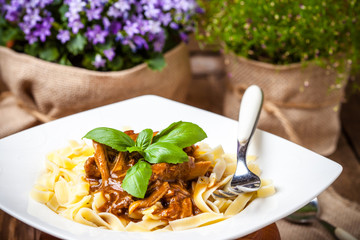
(208, 76)
(13, 229)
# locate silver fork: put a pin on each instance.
(244, 180)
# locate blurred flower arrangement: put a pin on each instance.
(105, 35)
(284, 32)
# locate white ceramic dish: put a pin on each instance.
(298, 174)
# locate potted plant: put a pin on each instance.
(64, 56)
(299, 52)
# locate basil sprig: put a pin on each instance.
(165, 147)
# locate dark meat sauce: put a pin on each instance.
(170, 184)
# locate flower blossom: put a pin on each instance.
(99, 61)
(131, 28)
(96, 34)
(109, 54)
(63, 36)
(136, 27)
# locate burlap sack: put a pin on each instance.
(333, 208)
(43, 90)
(298, 104)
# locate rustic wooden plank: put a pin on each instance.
(348, 183)
(270, 232)
(207, 92)
(205, 64)
(350, 117)
(13, 229)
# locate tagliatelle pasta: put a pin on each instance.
(65, 189)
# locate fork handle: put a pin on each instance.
(249, 113)
(337, 232)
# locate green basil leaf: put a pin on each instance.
(182, 134)
(116, 139)
(137, 179)
(135, 149)
(144, 138)
(164, 152)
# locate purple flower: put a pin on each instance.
(166, 5)
(106, 22)
(76, 26)
(32, 16)
(43, 3)
(151, 11)
(42, 32)
(72, 16)
(26, 28)
(159, 43)
(12, 12)
(185, 5)
(135, 24)
(31, 38)
(115, 27)
(174, 25)
(97, 3)
(184, 37)
(109, 53)
(128, 42)
(43, 29)
(94, 13)
(99, 61)
(76, 5)
(122, 5)
(140, 42)
(63, 36)
(114, 12)
(2, 6)
(131, 28)
(165, 19)
(96, 34)
(148, 2)
(153, 26)
(119, 37)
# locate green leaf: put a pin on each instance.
(88, 60)
(158, 63)
(144, 138)
(11, 34)
(49, 53)
(77, 44)
(2, 21)
(107, 45)
(181, 134)
(65, 61)
(62, 10)
(164, 152)
(117, 63)
(135, 149)
(116, 139)
(137, 179)
(32, 49)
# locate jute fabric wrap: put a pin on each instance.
(42, 91)
(333, 208)
(297, 105)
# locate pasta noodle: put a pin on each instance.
(64, 188)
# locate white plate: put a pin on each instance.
(298, 174)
